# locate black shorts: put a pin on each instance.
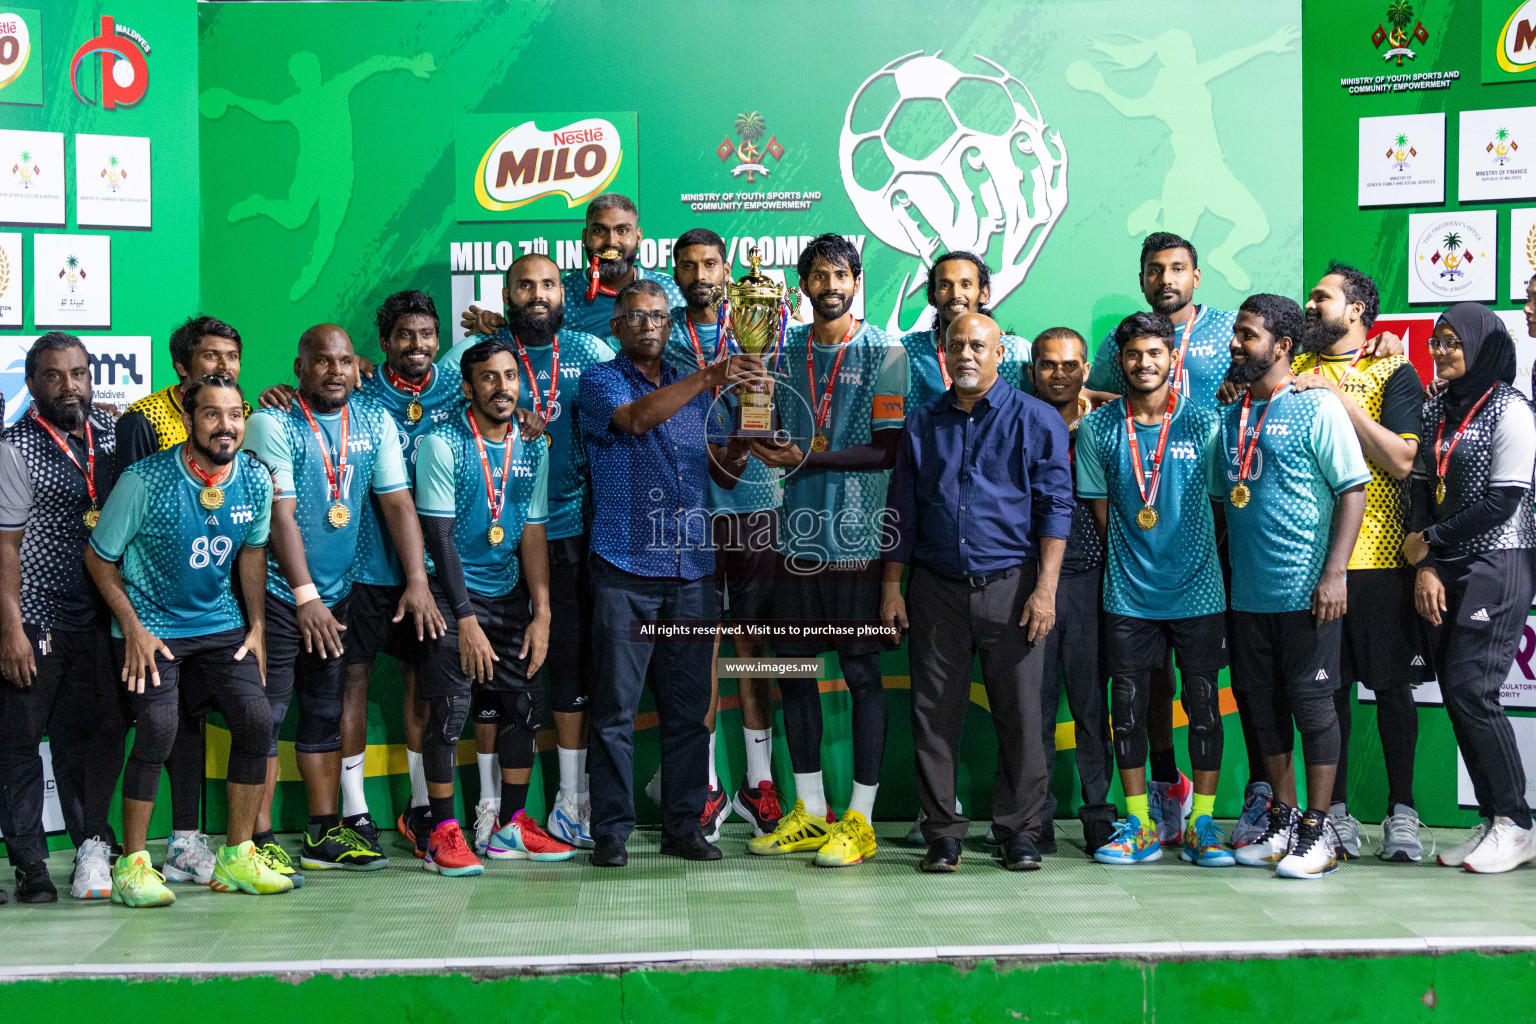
(1287, 651)
(1140, 645)
(202, 673)
(568, 665)
(371, 629)
(1386, 642)
(826, 591)
(746, 555)
(504, 620)
(289, 665)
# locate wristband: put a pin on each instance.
(305, 594)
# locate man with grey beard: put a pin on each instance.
(981, 505)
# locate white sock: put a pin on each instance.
(570, 773)
(1338, 810)
(863, 799)
(490, 778)
(714, 778)
(353, 799)
(808, 788)
(759, 756)
(182, 833)
(418, 778)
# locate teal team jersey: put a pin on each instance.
(450, 483)
(1307, 456)
(377, 563)
(758, 487)
(1205, 360)
(178, 557)
(837, 516)
(592, 317)
(928, 381)
(287, 444)
(1170, 571)
(570, 493)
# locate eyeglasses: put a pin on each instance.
(219, 380)
(638, 319)
(1444, 346)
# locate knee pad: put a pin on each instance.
(250, 733)
(155, 734)
(277, 710)
(1125, 716)
(1202, 704)
(1318, 723)
(485, 706)
(517, 730)
(567, 693)
(445, 720)
(319, 729)
(861, 673)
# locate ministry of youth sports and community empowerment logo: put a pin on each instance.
(936, 159)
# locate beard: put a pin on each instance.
(830, 305)
(1317, 335)
(536, 324)
(1250, 370)
(700, 295)
(66, 415)
(214, 455)
(488, 407)
(608, 270)
(1164, 305)
(324, 403)
(1136, 385)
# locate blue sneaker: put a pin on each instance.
(522, 839)
(1203, 847)
(1254, 821)
(1131, 843)
(569, 821)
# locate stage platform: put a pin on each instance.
(1074, 935)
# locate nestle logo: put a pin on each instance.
(570, 138)
(527, 163)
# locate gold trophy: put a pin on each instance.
(759, 310)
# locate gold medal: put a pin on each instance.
(414, 412)
(210, 497)
(1240, 495)
(497, 534)
(1147, 517)
(1440, 491)
(820, 442)
(92, 517)
(549, 439)
(339, 515)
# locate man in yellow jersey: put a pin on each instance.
(1382, 645)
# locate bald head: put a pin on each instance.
(325, 367)
(976, 325)
(973, 347)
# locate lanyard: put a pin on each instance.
(496, 500)
(1149, 493)
(208, 480)
(698, 349)
(89, 469)
(333, 473)
(1178, 360)
(1258, 428)
(824, 406)
(401, 384)
(938, 349)
(534, 394)
(1443, 458)
(1359, 352)
(596, 287)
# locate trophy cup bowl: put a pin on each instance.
(757, 321)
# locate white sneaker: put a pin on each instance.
(485, 825)
(1400, 836)
(1347, 826)
(188, 859)
(1313, 851)
(1504, 848)
(1456, 856)
(1274, 842)
(653, 788)
(569, 825)
(92, 878)
(915, 833)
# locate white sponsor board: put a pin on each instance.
(120, 370)
(31, 177)
(1402, 160)
(1497, 150)
(112, 181)
(72, 280)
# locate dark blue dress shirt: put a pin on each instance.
(974, 491)
(649, 493)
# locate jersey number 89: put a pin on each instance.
(205, 550)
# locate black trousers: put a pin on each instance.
(1073, 660)
(952, 623)
(76, 701)
(1487, 598)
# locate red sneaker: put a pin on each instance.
(523, 839)
(449, 854)
(760, 805)
(716, 809)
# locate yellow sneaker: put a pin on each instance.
(797, 831)
(242, 869)
(851, 841)
(136, 883)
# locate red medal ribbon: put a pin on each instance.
(533, 385)
(333, 473)
(939, 354)
(208, 479)
(1359, 352)
(89, 469)
(1149, 493)
(401, 384)
(1177, 376)
(698, 349)
(496, 500)
(824, 406)
(595, 287)
(1443, 458)
(1258, 428)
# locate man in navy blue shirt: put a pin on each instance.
(643, 424)
(981, 505)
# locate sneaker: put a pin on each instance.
(653, 788)
(797, 831)
(1400, 836)
(851, 841)
(1456, 856)
(1178, 801)
(1269, 847)
(1203, 847)
(92, 877)
(242, 869)
(188, 859)
(340, 847)
(569, 824)
(915, 833)
(716, 808)
(1254, 821)
(366, 830)
(1131, 843)
(1504, 848)
(448, 854)
(522, 839)
(414, 827)
(1347, 827)
(760, 805)
(136, 883)
(279, 861)
(485, 825)
(33, 884)
(1313, 848)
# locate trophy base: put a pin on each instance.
(755, 421)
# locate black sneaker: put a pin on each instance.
(343, 848)
(1045, 842)
(33, 884)
(366, 830)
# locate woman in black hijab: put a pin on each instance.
(1474, 549)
